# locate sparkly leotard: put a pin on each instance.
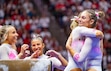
(90, 53)
(77, 44)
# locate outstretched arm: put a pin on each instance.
(53, 53)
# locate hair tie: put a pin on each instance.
(33, 35)
(75, 18)
(36, 36)
(97, 15)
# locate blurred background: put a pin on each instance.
(51, 19)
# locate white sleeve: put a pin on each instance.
(80, 57)
(3, 53)
(56, 63)
(84, 31)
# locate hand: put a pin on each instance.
(99, 34)
(36, 54)
(52, 53)
(76, 69)
(23, 48)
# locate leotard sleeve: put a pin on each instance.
(3, 53)
(84, 31)
(80, 57)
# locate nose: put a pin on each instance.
(80, 19)
(16, 34)
(36, 47)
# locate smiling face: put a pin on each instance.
(37, 45)
(84, 19)
(11, 35)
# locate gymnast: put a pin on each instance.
(83, 31)
(8, 39)
(90, 54)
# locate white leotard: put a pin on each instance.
(90, 53)
(7, 52)
(56, 63)
(77, 43)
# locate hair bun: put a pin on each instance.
(100, 14)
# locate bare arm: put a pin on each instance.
(63, 60)
(101, 45)
(69, 41)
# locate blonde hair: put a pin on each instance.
(4, 32)
(101, 14)
(73, 24)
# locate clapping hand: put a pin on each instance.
(52, 53)
(36, 54)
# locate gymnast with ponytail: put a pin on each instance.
(76, 40)
(89, 57)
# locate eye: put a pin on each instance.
(14, 32)
(33, 45)
(38, 44)
(83, 17)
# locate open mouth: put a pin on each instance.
(38, 49)
(15, 38)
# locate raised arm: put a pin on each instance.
(22, 52)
